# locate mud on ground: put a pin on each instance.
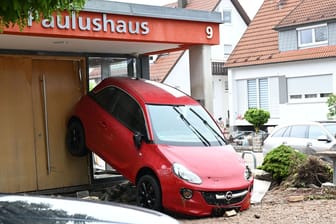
(287, 206)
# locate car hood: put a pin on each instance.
(215, 165)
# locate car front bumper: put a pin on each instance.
(205, 202)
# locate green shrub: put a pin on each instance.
(281, 161)
(331, 106)
(257, 117)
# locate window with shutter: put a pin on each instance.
(252, 93)
(263, 94)
(257, 90)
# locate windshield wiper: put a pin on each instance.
(192, 128)
(218, 137)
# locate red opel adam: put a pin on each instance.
(165, 143)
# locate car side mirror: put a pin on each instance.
(137, 138)
(323, 138)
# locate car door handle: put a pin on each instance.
(309, 144)
(103, 124)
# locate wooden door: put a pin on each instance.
(36, 99)
(17, 149)
(57, 86)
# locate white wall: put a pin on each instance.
(179, 77)
(220, 98)
(285, 112)
(230, 34)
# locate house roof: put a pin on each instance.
(164, 63)
(310, 11)
(259, 44)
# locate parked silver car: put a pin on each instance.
(306, 137)
(44, 209)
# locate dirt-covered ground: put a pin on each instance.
(284, 206)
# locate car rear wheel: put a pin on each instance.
(75, 138)
(149, 193)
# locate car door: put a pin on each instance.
(117, 131)
(298, 137)
(318, 139)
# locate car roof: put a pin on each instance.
(149, 92)
(306, 123)
(319, 123)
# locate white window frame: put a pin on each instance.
(227, 49)
(314, 43)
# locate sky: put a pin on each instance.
(250, 6)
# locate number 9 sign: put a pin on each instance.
(209, 32)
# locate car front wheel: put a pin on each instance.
(149, 193)
(75, 138)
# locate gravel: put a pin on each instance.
(284, 206)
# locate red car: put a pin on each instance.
(165, 143)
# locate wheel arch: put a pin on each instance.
(146, 171)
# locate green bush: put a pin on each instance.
(281, 161)
(257, 117)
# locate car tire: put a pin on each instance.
(75, 139)
(149, 193)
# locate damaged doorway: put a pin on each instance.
(99, 69)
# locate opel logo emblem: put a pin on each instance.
(228, 195)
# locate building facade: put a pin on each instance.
(285, 62)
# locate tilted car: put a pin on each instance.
(45, 209)
(306, 137)
(165, 143)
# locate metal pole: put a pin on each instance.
(46, 127)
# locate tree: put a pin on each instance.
(331, 106)
(257, 117)
(18, 11)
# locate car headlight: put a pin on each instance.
(185, 174)
(247, 173)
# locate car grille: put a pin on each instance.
(224, 197)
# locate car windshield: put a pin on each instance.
(184, 126)
(331, 127)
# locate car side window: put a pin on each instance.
(280, 132)
(128, 112)
(122, 107)
(315, 132)
(298, 131)
(107, 98)
(287, 132)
